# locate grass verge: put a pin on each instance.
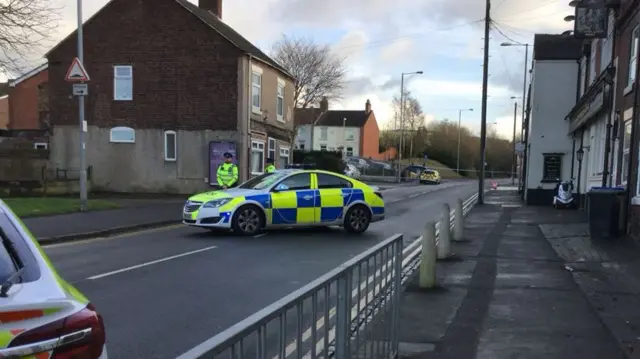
(44, 206)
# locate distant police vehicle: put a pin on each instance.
(288, 198)
(430, 176)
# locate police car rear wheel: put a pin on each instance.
(248, 220)
(357, 219)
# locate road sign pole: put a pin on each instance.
(83, 159)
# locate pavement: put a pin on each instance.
(185, 284)
(526, 282)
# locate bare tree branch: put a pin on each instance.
(24, 26)
(318, 72)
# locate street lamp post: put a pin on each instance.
(514, 157)
(402, 98)
(459, 132)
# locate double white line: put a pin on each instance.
(408, 255)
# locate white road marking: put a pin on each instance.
(149, 263)
(260, 235)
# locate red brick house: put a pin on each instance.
(167, 78)
(28, 100)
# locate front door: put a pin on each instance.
(335, 195)
(293, 201)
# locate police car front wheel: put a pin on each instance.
(357, 219)
(248, 220)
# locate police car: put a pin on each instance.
(288, 198)
(42, 316)
(430, 176)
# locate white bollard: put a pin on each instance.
(444, 238)
(458, 224)
(427, 278)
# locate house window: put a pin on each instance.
(272, 149)
(323, 147)
(324, 133)
(593, 73)
(350, 151)
(170, 146)
(123, 83)
(551, 167)
(301, 146)
(350, 136)
(122, 135)
(280, 101)
(40, 146)
(284, 157)
(257, 157)
(626, 147)
(256, 90)
(633, 55)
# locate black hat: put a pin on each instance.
(269, 160)
(227, 155)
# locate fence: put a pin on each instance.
(351, 312)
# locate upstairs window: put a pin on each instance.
(256, 90)
(324, 133)
(170, 146)
(633, 55)
(123, 83)
(280, 101)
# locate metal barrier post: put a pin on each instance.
(397, 282)
(458, 226)
(444, 242)
(343, 314)
(427, 276)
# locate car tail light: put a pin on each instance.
(78, 336)
(379, 194)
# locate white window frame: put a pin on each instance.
(325, 131)
(257, 146)
(175, 146)
(280, 97)
(122, 128)
(271, 148)
(256, 71)
(626, 151)
(40, 146)
(117, 78)
(285, 152)
(633, 53)
(349, 151)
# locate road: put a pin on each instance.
(164, 291)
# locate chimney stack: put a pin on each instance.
(324, 104)
(367, 106)
(214, 6)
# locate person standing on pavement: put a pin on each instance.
(270, 166)
(227, 172)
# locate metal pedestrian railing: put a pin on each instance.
(352, 312)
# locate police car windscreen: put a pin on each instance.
(263, 181)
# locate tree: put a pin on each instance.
(414, 118)
(24, 25)
(317, 71)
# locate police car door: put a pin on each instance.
(292, 201)
(334, 197)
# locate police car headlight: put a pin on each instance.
(217, 203)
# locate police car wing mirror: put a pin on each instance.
(281, 187)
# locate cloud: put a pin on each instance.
(398, 51)
(441, 88)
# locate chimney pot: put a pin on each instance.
(367, 106)
(214, 6)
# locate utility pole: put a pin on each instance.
(513, 159)
(485, 85)
(401, 128)
(81, 122)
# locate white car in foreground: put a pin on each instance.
(41, 315)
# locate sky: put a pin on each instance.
(381, 39)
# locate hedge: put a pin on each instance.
(322, 160)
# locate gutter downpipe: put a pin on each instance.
(247, 135)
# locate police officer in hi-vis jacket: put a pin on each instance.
(270, 166)
(227, 172)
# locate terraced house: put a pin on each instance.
(171, 87)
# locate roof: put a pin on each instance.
(28, 75)
(355, 118)
(556, 47)
(232, 35)
(219, 26)
(306, 116)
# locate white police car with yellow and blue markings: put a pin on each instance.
(288, 198)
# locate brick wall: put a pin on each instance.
(370, 138)
(26, 102)
(185, 75)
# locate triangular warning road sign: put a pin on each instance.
(77, 72)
